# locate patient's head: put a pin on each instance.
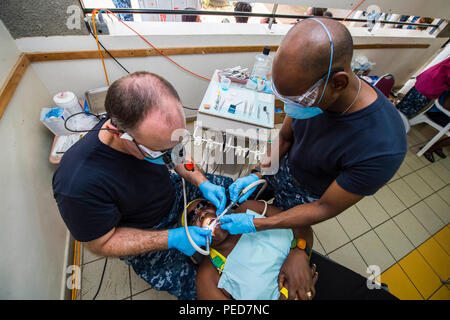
(202, 213)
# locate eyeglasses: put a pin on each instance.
(309, 97)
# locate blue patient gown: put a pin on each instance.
(251, 269)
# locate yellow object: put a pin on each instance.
(182, 216)
(217, 259)
(284, 291)
(436, 257)
(98, 45)
(420, 273)
(399, 284)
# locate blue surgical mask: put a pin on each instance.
(297, 112)
(158, 160)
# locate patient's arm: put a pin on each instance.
(207, 281)
(296, 274)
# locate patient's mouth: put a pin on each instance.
(208, 223)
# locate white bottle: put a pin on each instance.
(68, 101)
(262, 66)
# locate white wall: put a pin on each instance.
(80, 75)
(32, 235)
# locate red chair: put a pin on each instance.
(385, 84)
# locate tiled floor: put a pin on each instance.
(403, 229)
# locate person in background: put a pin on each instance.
(267, 20)
(328, 14)
(441, 119)
(190, 17)
(125, 4)
(430, 84)
(413, 20)
(242, 7)
(433, 83)
(426, 20)
(403, 18)
(313, 11)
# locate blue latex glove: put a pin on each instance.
(215, 194)
(238, 223)
(240, 184)
(178, 239)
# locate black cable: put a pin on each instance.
(109, 53)
(195, 109)
(101, 279)
(98, 116)
(106, 50)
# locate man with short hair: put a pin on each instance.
(341, 140)
(190, 17)
(116, 195)
(242, 7)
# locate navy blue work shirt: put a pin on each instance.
(361, 150)
(98, 188)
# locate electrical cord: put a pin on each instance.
(95, 11)
(109, 53)
(101, 279)
(100, 117)
(194, 109)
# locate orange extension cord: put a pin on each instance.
(95, 11)
(76, 263)
(353, 10)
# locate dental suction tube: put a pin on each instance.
(243, 191)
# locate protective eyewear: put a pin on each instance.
(147, 152)
(309, 97)
(202, 204)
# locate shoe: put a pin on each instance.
(440, 153)
(429, 156)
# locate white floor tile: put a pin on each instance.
(414, 162)
(373, 251)
(439, 206)
(404, 169)
(89, 256)
(431, 178)
(152, 294)
(394, 239)
(444, 193)
(317, 246)
(404, 192)
(427, 217)
(410, 226)
(441, 171)
(137, 283)
(372, 211)
(353, 222)
(349, 257)
(330, 234)
(116, 281)
(416, 183)
(389, 201)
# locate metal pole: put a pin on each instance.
(272, 20)
(242, 14)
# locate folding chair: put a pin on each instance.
(422, 117)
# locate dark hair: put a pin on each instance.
(242, 7)
(189, 17)
(267, 20)
(327, 14)
(318, 11)
(130, 98)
